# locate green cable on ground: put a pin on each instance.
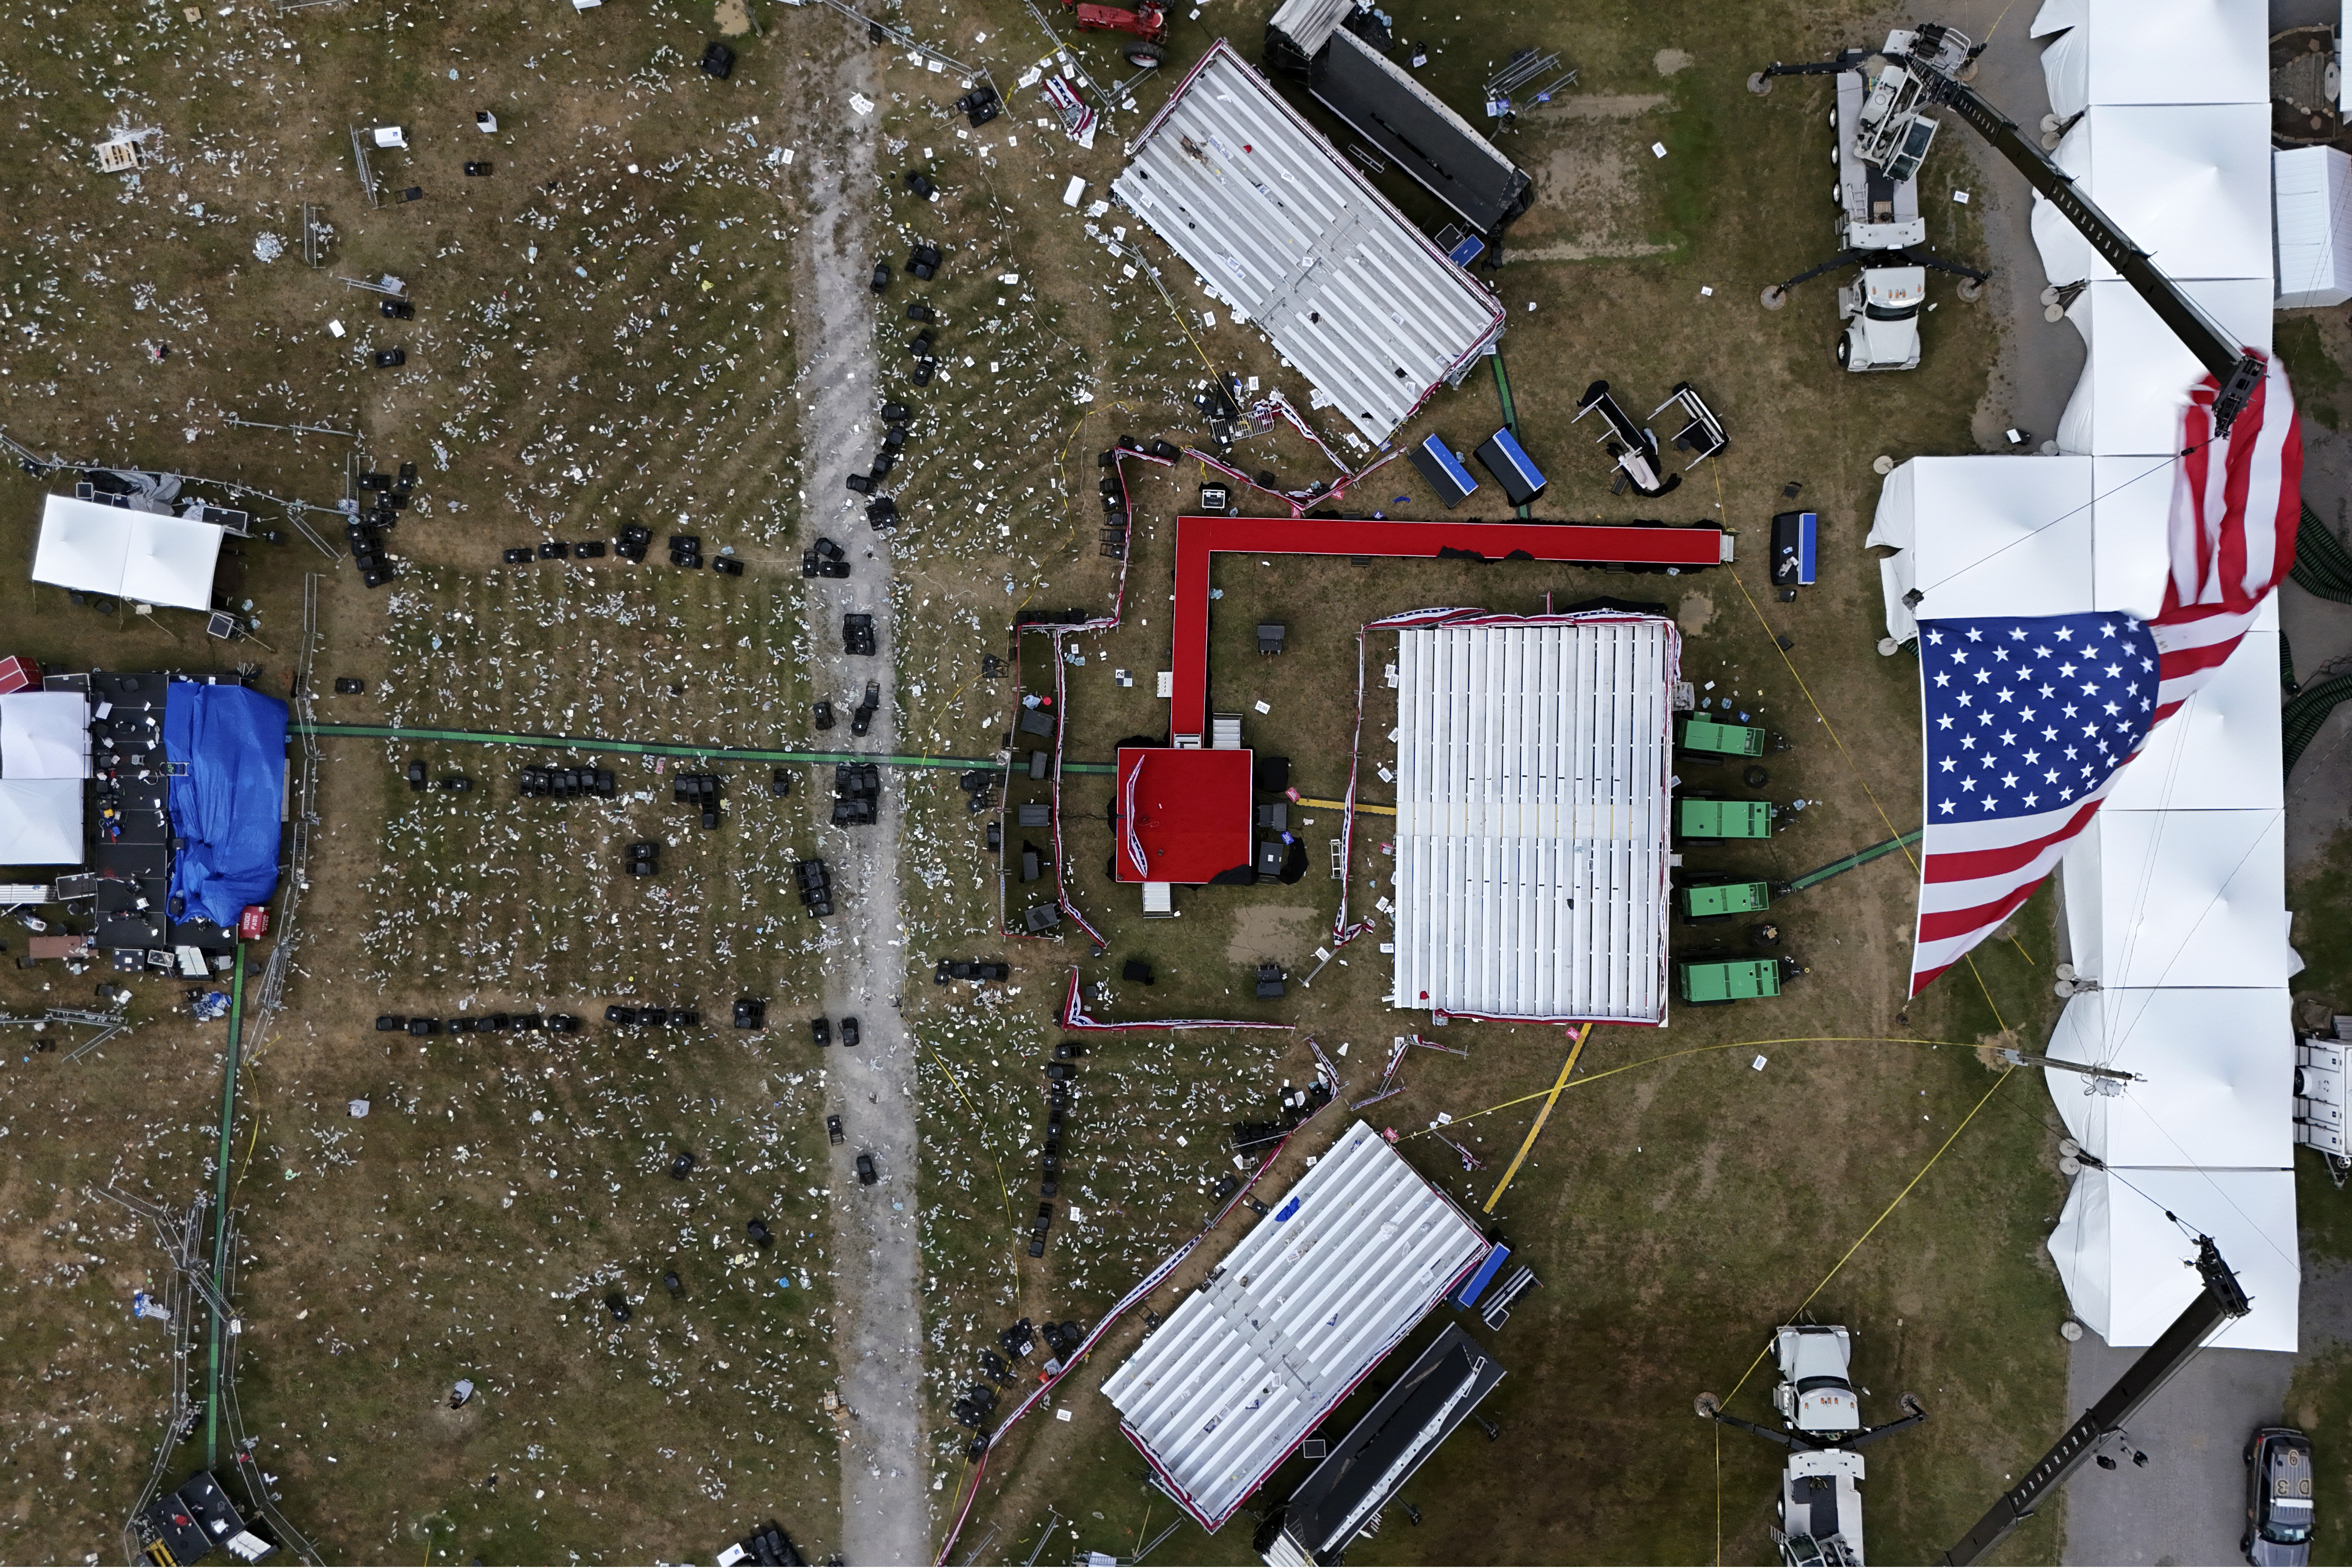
(1859, 857)
(2300, 720)
(2321, 565)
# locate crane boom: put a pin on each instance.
(2237, 371)
(2220, 1301)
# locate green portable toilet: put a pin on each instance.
(1698, 817)
(1721, 900)
(1721, 739)
(1732, 981)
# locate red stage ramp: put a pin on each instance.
(1199, 538)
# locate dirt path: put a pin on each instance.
(884, 1516)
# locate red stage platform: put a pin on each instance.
(1188, 813)
(1199, 538)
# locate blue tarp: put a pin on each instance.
(231, 741)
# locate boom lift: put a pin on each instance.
(2237, 371)
(1932, 60)
(1881, 140)
(1820, 1495)
(2222, 1302)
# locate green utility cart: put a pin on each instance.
(1731, 980)
(1722, 900)
(1713, 739)
(1700, 816)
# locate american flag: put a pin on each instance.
(2031, 718)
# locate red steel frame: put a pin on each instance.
(1199, 538)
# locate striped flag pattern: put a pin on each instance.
(2030, 719)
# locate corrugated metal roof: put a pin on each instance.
(1358, 1253)
(1532, 767)
(1310, 24)
(1279, 223)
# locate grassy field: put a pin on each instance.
(600, 338)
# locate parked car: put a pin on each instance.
(681, 1164)
(849, 1032)
(2280, 1494)
(833, 1129)
(822, 1029)
(866, 1175)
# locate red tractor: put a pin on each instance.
(1148, 23)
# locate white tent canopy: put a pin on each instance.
(2134, 387)
(40, 822)
(2155, 51)
(132, 555)
(2312, 198)
(2219, 1066)
(2120, 1259)
(2190, 184)
(2220, 750)
(44, 734)
(1985, 535)
(2180, 898)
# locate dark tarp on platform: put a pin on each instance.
(1404, 121)
(226, 806)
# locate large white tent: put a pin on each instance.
(2155, 51)
(40, 822)
(2190, 185)
(2175, 895)
(141, 556)
(44, 734)
(2180, 898)
(2121, 1258)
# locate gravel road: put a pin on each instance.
(884, 1491)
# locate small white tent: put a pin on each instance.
(171, 562)
(40, 822)
(44, 734)
(127, 554)
(2121, 1260)
(2155, 51)
(82, 545)
(2312, 196)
